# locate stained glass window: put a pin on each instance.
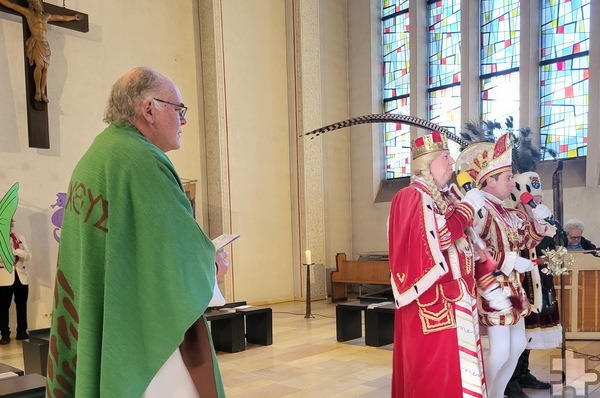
(563, 71)
(443, 21)
(564, 86)
(396, 81)
(499, 70)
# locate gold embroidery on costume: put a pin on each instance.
(402, 277)
(507, 224)
(437, 314)
(436, 321)
(469, 264)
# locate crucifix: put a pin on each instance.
(36, 15)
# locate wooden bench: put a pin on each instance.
(361, 271)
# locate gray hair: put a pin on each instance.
(128, 93)
(574, 223)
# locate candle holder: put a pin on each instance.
(308, 299)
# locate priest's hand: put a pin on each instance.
(222, 264)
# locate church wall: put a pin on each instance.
(369, 218)
(83, 68)
(333, 26)
(254, 45)
(319, 74)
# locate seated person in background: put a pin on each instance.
(575, 240)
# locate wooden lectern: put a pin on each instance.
(581, 318)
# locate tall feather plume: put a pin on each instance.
(525, 155)
(388, 118)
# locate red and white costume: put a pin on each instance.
(506, 232)
(437, 348)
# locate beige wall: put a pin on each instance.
(368, 218)
(255, 74)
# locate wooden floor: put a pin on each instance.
(306, 361)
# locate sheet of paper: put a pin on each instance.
(223, 240)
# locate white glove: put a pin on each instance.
(475, 198)
(550, 230)
(541, 211)
(497, 298)
(19, 253)
(523, 265)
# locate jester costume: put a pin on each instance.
(543, 325)
(135, 274)
(437, 348)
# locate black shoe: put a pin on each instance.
(22, 335)
(513, 390)
(4, 340)
(529, 381)
(516, 394)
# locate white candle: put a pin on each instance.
(308, 257)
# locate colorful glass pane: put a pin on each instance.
(444, 110)
(444, 65)
(499, 59)
(393, 6)
(396, 80)
(564, 89)
(565, 28)
(443, 21)
(396, 56)
(564, 73)
(397, 141)
(500, 98)
(500, 35)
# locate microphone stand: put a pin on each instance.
(561, 240)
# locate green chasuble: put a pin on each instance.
(135, 271)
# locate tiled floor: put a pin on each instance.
(306, 361)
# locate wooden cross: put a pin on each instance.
(37, 111)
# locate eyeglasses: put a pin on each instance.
(575, 237)
(180, 108)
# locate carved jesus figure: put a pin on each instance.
(37, 48)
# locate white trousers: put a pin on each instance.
(507, 343)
